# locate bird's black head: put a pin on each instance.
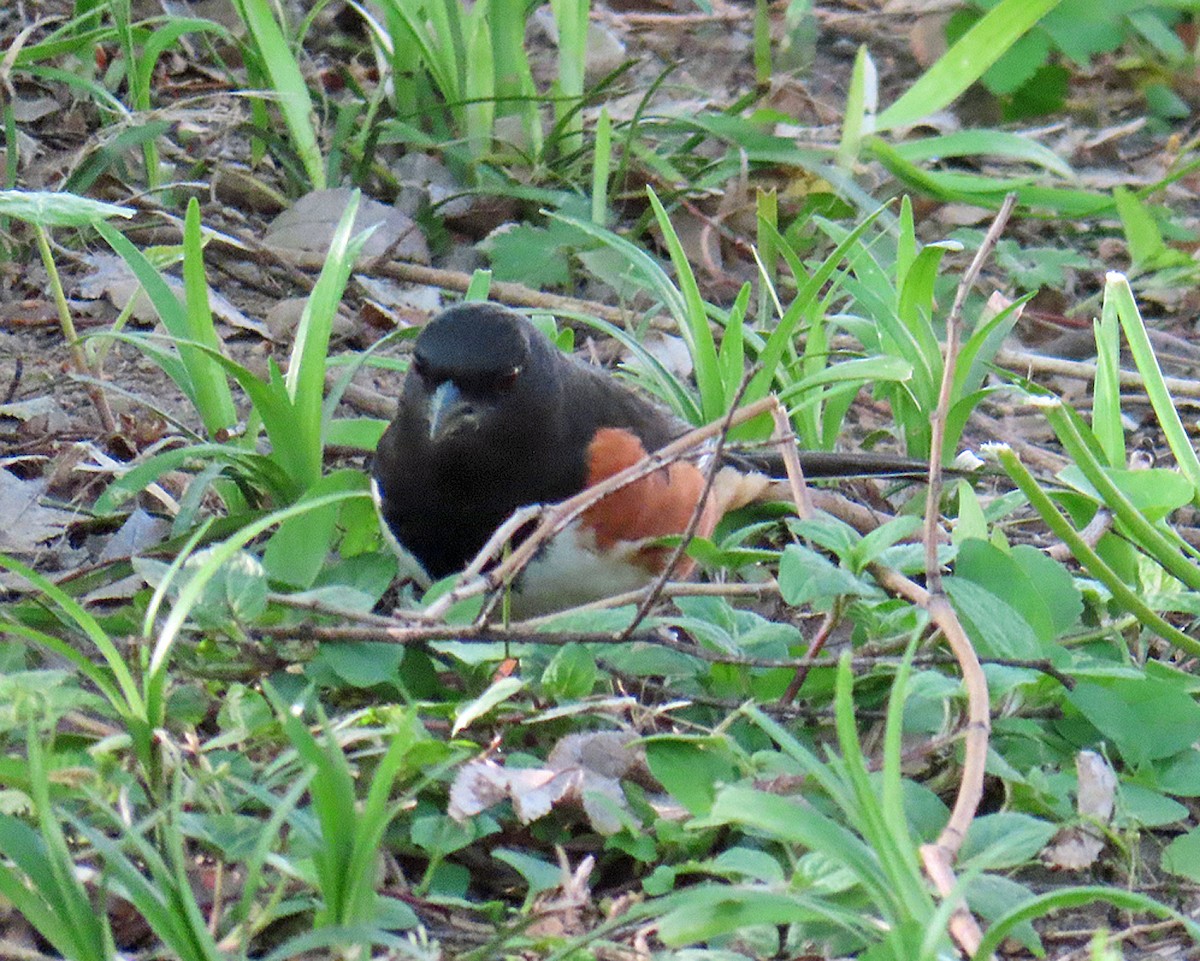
(471, 370)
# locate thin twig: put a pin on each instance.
(556, 517)
(654, 591)
(15, 383)
(1086, 370)
(515, 295)
(791, 463)
(374, 628)
(816, 645)
(763, 589)
(933, 497)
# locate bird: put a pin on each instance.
(493, 417)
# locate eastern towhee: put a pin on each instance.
(492, 418)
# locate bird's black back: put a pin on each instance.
(443, 501)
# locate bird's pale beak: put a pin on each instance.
(449, 411)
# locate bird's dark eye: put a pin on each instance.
(419, 366)
(508, 380)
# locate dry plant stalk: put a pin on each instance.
(938, 858)
(791, 463)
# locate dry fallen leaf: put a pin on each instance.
(44, 414)
(140, 532)
(111, 278)
(27, 523)
(1076, 848)
(583, 770)
(310, 222)
(566, 910)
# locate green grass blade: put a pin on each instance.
(601, 166)
(1116, 288)
(163, 36)
(88, 929)
(571, 18)
(858, 372)
(170, 311)
(64, 649)
(1106, 388)
(1083, 552)
(966, 61)
(221, 554)
(693, 324)
(1044, 904)
(305, 379)
(985, 143)
(480, 285)
(862, 100)
(479, 90)
(810, 288)
(662, 383)
(213, 398)
(896, 851)
(333, 804)
(287, 84)
(90, 626)
(1151, 539)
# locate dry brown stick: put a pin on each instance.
(1035, 457)
(557, 516)
(670, 589)
(933, 497)
(363, 399)
(501, 536)
(86, 369)
(938, 858)
(515, 295)
(1081, 370)
(384, 630)
(663, 20)
(791, 463)
(815, 646)
(862, 518)
(1100, 524)
(804, 509)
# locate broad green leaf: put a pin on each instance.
(1146, 808)
(1009, 839)
(1182, 856)
(806, 577)
(708, 912)
(571, 673)
(991, 896)
(691, 769)
(996, 627)
(1146, 719)
(363, 664)
(998, 573)
(499, 692)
